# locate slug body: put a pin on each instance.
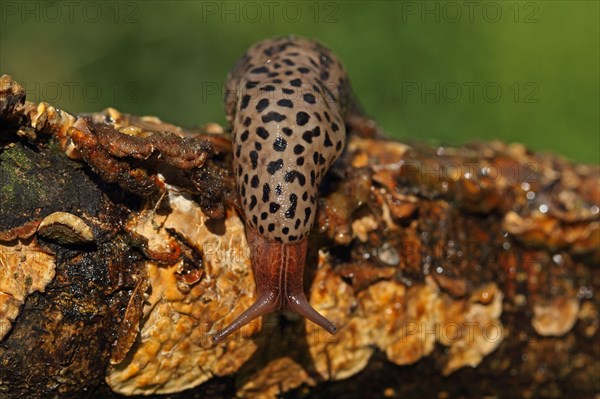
(286, 101)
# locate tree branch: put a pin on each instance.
(464, 271)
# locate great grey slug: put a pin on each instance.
(287, 101)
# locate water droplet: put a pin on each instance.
(585, 292)
(530, 195)
(558, 259)
(388, 255)
(543, 208)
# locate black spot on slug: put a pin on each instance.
(302, 118)
(293, 175)
(285, 103)
(307, 136)
(291, 212)
(307, 212)
(287, 131)
(327, 142)
(262, 132)
(245, 101)
(279, 144)
(262, 104)
(309, 98)
(274, 166)
(260, 70)
(254, 159)
(273, 116)
(253, 202)
(267, 88)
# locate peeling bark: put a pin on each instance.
(452, 272)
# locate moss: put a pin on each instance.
(15, 167)
(35, 182)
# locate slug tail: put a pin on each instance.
(278, 273)
(263, 305)
(300, 305)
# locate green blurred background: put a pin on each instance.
(442, 71)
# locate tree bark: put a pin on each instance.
(451, 272)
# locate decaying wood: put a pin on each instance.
(452, 272)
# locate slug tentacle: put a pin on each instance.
(278, 271)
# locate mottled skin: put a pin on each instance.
(287, 131)
(287, 101)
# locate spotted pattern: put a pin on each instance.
(286, 100)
